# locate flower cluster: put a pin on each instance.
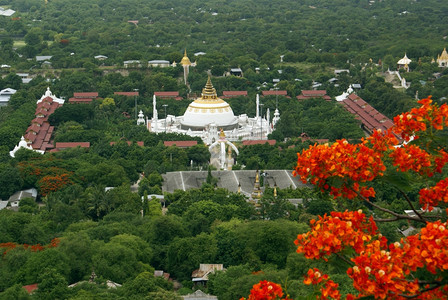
(409, 124)
(384, 272)
(54, 183)
(266, 290)
(327, 288)
(332, 234)
(430, 197)
(342, 162)
(38, 247)
(411, 157)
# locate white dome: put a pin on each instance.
(209, 109)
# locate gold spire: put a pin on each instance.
(209, 92)
(444, 54)
(256, 194)
(185, 60)
(222, 135)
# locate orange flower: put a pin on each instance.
(266, 290)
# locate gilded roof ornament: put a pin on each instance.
(185, 60)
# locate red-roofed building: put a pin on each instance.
(167, 95)
(62, 146)
(370, 118)
(259, 142)
(180, 144)
(128, 94)
(92, 95)
(309, 94)
(83, 97)
(275, 93)
(230, 94)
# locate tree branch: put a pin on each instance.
(398, 216)
(410, 203)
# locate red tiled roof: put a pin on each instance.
(273, 93)
(234, 93)
(166, 94)
(30, 136)
(30, 288)
(314, 93)
(46, 105)
(180, 144)
(129, 94)
(33, 128)
(47, 99)
(73, 145)
(80, 100)
(38, 121)
(86, 95)
(370, 118)
(258, 142)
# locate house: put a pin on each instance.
(43, 58)
(199, 53)
(5, 95)
(132, 64)
(15, 198)
(6, 12)
(83, 97)
(236, 72)
(101, 57)
(159, 63)
(230, 94)
(25, 77)
(167, 95)
(310, 94)
(180, 144)
(275, 93)
(201, 275)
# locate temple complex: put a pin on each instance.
(209, 115)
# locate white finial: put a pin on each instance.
(154, 108)
(258, 108)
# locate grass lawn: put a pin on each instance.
(19, 43)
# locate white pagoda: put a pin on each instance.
(208, 114)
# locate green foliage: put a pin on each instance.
(10, 181)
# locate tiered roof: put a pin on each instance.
(38, 134)
(370, 118)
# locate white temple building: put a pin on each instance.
(208, 114)
(442, 59)
(404, 63)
